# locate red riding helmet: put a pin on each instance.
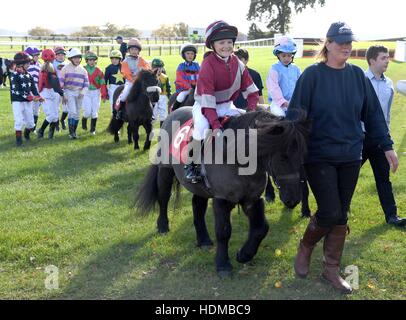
(48, 55)
(59, 50)
(220, 30)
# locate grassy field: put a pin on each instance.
(69, 204)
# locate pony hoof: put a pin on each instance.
(306, 214)
(243, 258)
(137, 147)
(205, 245)
(163, 230)
(225, 274)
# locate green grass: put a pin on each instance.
(69, 204)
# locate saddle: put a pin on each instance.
(182, 137)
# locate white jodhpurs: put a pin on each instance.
(91, 104)
(161, 108)
(51, 104)
(201, 124)
(23, 115)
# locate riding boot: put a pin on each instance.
(63, 117)
(75, 127)
(19, 139)
(192, 170)
(27, 133)
(40, 132)
(84, 123)
(35, 123)
(312, 235)
(176, 105)
(52, 128)
(71, 124)
(161, 123)
(333, 249)
(93, 126)
(70, 130)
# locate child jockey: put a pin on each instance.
(50, 89)
(75, 82)
(33, 70)
(221, 79)
(161, 107)
(97, 85)
(113, 75)
(23, 93)
(283, 76)
(130, 67)
(186, 74)
(59, 63)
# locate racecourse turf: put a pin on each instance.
(70, 204)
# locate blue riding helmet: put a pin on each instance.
(285, 45)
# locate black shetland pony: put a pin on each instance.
(5, 67)
(281, 144)
(138, 109)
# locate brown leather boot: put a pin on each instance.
(312, 235)
(333, 249)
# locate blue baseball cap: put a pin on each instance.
(340, 32)
(119, 38)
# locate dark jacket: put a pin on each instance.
(22, 87)
(337, 100)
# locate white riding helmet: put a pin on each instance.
(73, 52)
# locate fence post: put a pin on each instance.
(149, 51)
(160, 50)
(11, 39)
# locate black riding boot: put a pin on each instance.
(176, 105)
(63, 117)
(40, 132)
(27, 133)
(160, 124)
(93, 126)
(192, 170)
(84, 123)
(52, 128)
(35, 123)
(19, 139)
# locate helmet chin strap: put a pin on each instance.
(293, 58)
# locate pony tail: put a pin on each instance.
(147, 195)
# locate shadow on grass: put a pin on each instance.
(70, 163)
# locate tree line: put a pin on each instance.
(276, 14)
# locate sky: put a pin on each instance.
(369, 19)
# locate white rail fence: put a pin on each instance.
(102, 49)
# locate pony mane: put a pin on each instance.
(275, 133)
(136, 89)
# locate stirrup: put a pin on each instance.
(192, 175)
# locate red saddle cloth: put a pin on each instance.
(181, 139)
